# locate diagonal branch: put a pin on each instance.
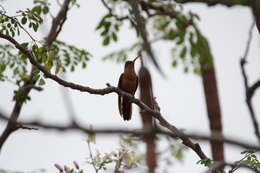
(57, 23)
(110, 89)
(250, 90)
(140, 27)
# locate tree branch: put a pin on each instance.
(110, 11)
(141, 28)
(57, 23)
(250, 90)
(108, 90)
(219, 165)
(75, 126)
(227, 3)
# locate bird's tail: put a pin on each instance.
(127, 109)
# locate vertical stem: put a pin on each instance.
(213, 109)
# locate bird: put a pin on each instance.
(128, 82)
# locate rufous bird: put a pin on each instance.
(128, 82)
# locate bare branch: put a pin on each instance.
(140, 26)
(75, 126)
(57, 23)
(250, 90)
(228, 3)
(108, 90)
(255, 5)
(110, 11)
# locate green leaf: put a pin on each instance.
(116, 27)
(37, 9)
(35, 26)
(24, 20)
(84, 65)
(106, 41)
(72, 68)
(103, 33)
(193, 51)
(45, 9)
(183, 52)
(186, 69)
(180, 41)
(30, 24)
(35, 49)
(114, 36)
(174, 63)
(13, 21)
(24, 45)
(42, 82)
(12, 32)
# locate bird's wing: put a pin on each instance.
(120, 97)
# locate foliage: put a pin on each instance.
(249, 159)
(109, 29)
(31, 17)
(59, 56)
(206, 162)
(191, 47)
(172, 23)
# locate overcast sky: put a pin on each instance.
(180, 95)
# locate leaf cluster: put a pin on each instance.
(249, 159)
(191, 47)
(171, 23)
(11, 25)
(108, 27)
(17, 63)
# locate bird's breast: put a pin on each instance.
(129, 84)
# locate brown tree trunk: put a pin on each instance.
(213, 109)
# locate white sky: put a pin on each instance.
(180, 96)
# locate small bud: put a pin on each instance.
(58, 167)
(76, 165)
(67, 169)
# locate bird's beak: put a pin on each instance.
(136, 58)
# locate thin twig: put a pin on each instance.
(141, 28)
(110, 11)
(219, 165)
(14, 18)
(238, 163)
(249, 90)
(91, 157)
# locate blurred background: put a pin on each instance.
(180, 95)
